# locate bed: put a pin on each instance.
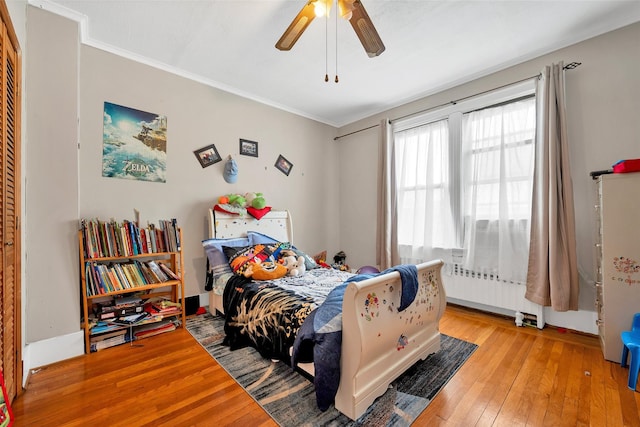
(377, 341)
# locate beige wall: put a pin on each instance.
(603, 108)
(67, 85)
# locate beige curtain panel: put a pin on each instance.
(552, 278)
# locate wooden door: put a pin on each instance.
(10, 107)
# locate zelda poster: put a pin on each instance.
(134, 144)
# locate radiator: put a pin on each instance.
(490, 291)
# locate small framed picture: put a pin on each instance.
(207, 155)
(283, 165)
(248, 148)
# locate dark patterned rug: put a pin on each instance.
(289, 398)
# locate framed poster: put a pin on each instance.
(207, 155)
(248, 148)
(134, 144)
(283, 165)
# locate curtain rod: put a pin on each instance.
(569, 66)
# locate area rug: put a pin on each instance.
(289, 397)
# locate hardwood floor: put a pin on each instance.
(517, 376)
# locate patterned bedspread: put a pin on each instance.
(266, 315)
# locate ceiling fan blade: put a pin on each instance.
(365, 30)
(297, 27)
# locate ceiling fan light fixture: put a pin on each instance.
(345, 8)
(320, 9)
(352, 10)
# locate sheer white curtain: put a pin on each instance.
(426, 225)
(498, 154)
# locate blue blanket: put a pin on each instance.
(319, 339)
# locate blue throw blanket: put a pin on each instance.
(320, 336)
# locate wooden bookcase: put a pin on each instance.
(171, 290)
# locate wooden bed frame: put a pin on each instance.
(379, 343)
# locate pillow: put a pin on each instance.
(218, 261)
(259, 238)
(309, 262)
(258, 213)
(256, 238)
(241, 259)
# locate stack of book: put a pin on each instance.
(100, 342)
(162, 308)
(119, 307)
(152, 329)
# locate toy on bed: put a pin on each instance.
(340, 261)
(238, 204)
(295, 264)
(258, 262)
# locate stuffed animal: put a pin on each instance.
(237, 200)
(265, 271)
(255, 200)
(295, 266)
(232, 203)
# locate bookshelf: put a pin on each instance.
(132, 281)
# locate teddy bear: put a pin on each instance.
(295, 266)
(265, 271)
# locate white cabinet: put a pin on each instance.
(618, 258)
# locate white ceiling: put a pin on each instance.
(430, 45)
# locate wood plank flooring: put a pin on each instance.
(517, 377)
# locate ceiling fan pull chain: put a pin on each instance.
(326, 48)
(336, 80)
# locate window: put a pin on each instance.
(464, 182)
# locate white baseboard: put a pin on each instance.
(51, 350)
(204, 299)
(581, 321)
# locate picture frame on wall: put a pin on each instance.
(248, 148)
(208, 155)
(283, 165)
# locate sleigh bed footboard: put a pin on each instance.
(379, 343)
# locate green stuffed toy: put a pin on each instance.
(237, 200)
(255, 200)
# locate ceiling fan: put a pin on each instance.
(351, 10)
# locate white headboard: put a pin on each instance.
(276, 224)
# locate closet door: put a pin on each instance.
(10, 324)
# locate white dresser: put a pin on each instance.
(618, 258)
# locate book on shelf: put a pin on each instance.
(102, 239)
(103, 326)
(130, 319)
(102, 337)
(152, 329)
(165, 268)
(109, 340)
(157, 271)
(120, 312)
(162, 308)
